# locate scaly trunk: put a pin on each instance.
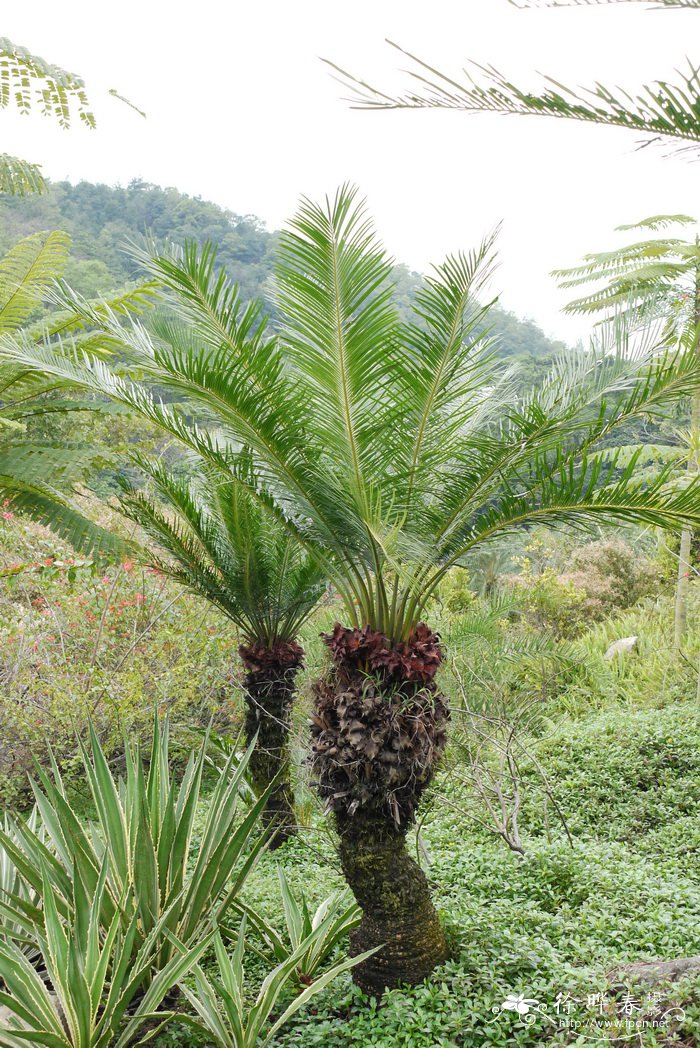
(378, 732)
(269, 694)
(394, 895)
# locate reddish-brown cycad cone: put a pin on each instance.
(378, 732)
(269, 693)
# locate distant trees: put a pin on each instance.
(104, 220)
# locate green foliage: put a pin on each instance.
(38, 475)
(600, 578)
(390, 474)
(222, 1007)
(647, 279)
(333, 919)
(622, 774)
(81, 642)
(213, 538)
(95, 970)
(138, 855)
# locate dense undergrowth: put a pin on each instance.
(615, 879)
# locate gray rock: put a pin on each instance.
(621, 647)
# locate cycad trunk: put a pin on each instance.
(379, 729)
(269, 693)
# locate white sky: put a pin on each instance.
(241, 111)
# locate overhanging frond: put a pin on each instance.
(663, 110)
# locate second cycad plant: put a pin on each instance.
(213, 538)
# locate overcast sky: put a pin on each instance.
(241, 111)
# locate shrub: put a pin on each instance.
(111, 645)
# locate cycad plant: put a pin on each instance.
(391, 451)
(211, 536)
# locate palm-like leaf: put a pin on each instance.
(390, 453)
(212, 536)
(663, 110)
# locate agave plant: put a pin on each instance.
(141, 845)
(12, 885)
(213, 538)
(333, 919)
(225, 1014)
(91, 996)
(392, 451)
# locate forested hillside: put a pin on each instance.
(103, 220)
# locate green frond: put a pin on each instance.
(370, 453)
(646, 279)
(662, 109)
(212, 537)
(340, 325)
(26, 272)
(20, 177)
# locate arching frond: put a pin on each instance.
(386, 453)
(663, 110)
(212, 537)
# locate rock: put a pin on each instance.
(621, 647)
(652, 972)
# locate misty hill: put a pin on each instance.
(103, 219)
